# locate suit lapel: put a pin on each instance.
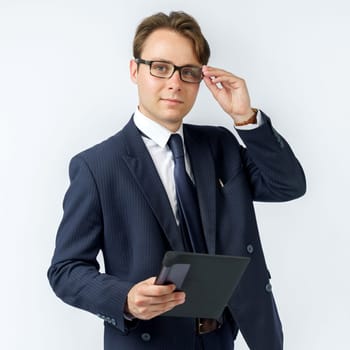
(147, 179)
(204, 175)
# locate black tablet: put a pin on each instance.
(208, 281)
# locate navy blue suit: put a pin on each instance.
(116, 203)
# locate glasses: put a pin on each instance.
(165, 70)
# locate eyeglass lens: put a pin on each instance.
(166, 70)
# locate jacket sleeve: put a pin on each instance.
(74, 272)
(273, 171)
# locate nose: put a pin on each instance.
(175, 82)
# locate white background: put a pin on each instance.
(64, 86)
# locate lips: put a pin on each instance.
(172, 100)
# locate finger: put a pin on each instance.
(161, 308)
(229, 80)
(141, 300)
(155, 290)
(174, 297)
(212, 71)
(152, 311)
(143, 310)
(149, 288)
(211, 86)
(150, 280)
(219, 75)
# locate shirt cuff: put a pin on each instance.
(259, 122)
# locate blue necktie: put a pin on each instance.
(188, 207)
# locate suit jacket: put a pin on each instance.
(116, 203)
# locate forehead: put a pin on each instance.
(169, 45)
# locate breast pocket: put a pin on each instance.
(236, 180)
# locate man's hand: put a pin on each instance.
(146, 300)
(230, 91)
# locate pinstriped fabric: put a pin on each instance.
(116, 204)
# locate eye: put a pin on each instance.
(161, 68)
(191, 72)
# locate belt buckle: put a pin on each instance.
(201, 326)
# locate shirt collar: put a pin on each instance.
(153, 130)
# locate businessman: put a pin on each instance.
(160, 184)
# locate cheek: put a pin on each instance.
(149, 87)
(192, 94)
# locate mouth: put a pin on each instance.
(172, 101)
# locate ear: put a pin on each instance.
(133, 71)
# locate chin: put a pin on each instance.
(174, 119)
(176, 116)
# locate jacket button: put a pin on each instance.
(250, 249)
(145, 336)
(268, 287)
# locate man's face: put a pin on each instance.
(165, 101)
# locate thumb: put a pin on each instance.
(150, 281)
(214, 89)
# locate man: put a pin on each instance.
(124, 200)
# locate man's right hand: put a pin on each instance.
(146, 300)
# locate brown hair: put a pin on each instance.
(179, 22)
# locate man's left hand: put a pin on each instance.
(230, 91)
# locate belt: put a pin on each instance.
(206, 325)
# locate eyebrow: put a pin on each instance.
(158, 59)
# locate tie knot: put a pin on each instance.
(175, 144)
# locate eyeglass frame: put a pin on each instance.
(175, 68)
